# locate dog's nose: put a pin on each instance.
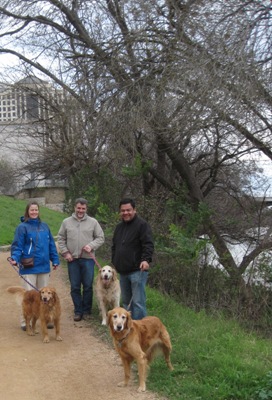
(119, 327)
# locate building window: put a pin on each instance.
(32, 106)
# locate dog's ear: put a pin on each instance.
(129, 319)
(109, 315)
(114, 274)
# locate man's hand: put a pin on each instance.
(87, 248)
(68, 256)
(144, 266)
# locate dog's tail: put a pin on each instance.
(19, 291)
(16, 289)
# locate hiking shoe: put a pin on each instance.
(77, 317)
(50, 326)
(23, 327)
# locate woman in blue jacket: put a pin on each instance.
(33, 238)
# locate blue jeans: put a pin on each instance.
(133, 293)
(81, 272)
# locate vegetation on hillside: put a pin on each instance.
(11, 210)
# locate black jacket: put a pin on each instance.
(132, 243)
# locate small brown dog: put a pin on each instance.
(43, 304)
(138, 340)
(107, 291)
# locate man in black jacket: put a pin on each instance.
(132, 250)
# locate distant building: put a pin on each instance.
(26, 100)
(23, 107)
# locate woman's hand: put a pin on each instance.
(13, 262)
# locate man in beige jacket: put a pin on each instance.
(78, 238)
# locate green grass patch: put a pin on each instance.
(214, 358)
(10, 212)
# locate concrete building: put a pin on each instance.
(23, 107)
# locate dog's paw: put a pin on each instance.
(59, 338)
(30, 333)
(141, 389)
(46, 340)
(122, 384)
(104, 322)
(170, 366)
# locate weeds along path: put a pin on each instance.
(81, 367)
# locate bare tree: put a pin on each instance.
(185, 86)
(7, 176)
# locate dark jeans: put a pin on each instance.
(81, 272)
(133, 293)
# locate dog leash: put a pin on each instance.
(95, 261)
(17, 269)
(93, 257)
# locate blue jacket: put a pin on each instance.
(34, 239)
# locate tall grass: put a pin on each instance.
(213, 358)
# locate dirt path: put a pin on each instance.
(81, 367)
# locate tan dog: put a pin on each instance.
(138, 340)
(107, 291)
(43, 304)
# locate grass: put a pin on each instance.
(10, 212)
(213, 358)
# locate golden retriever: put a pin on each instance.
(107, 291)
(43, 304)
(138, 340)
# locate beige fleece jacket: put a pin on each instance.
(74, 234)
